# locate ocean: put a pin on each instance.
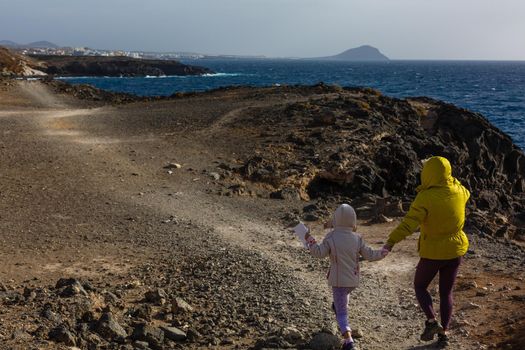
(494, 89)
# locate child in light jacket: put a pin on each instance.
(344, 246)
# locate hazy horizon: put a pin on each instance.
(404, 29)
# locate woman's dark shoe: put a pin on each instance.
(442, 341)
(431, 329)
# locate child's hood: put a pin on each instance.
(436, 172)
(345, 217)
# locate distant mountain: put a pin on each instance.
(8, 43)
(42, 45)
(36, 44)
(361, 53)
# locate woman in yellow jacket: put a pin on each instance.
(439, 211)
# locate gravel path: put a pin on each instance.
(85, 194)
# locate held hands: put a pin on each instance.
(385, 250)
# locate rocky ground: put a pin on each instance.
(165, 224)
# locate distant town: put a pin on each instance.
(48, 48)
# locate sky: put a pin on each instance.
(401, 29)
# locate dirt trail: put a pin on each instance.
(104, 197)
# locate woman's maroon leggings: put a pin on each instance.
(425, 272)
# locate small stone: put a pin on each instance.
(518, 297)
(29, 294)
(142, 311)
(173, 166)
(109, 328)
(21, 334)
(193, 335)
(157, 296)
(482, 293)
(470, 306)
(357, 333)
(61, 334)
(287, 193)
(173, 333)
(179, 305)
(215, 176)
(292, 335)
(50, 315)
(153, 335)
(70, 287)
(227, 341)
(111, 298)
(466, 285)
(141, 345)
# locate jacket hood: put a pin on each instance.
(345, 217)
(436, 172)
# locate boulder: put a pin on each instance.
(325, 341)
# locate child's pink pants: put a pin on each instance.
(340, 305)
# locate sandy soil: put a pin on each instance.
(83, 193)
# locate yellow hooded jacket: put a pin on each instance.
(439, 209)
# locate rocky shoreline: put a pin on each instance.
(69, 66)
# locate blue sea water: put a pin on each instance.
(495, 89)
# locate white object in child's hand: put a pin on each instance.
(300, 231)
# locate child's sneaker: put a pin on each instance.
(442, 342)
(431, 329)
(348, 346)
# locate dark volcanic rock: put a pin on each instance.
(115, 66)
(69, 287)
(325, 341)
(173, 333)
(61, 334)
(88, 92)
(151, 334)
(110, 329)
(157, 296)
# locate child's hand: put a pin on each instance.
(384, 252)
(309, 238)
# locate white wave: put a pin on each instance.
(222, 75)
(210, 75)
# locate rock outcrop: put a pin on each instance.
(12, 64)
(115, 66)
(367, 148)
